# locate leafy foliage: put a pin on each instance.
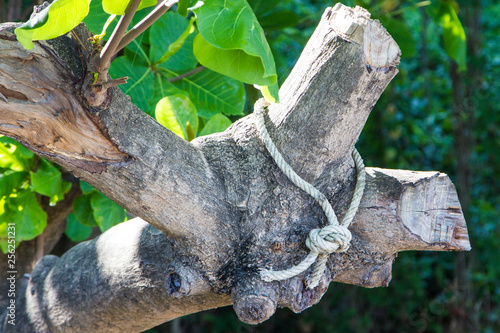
(22, 181)
(167, 113)
(445, 14)
(231, 42)
(55, 20)
(120, 7)
(163, 54)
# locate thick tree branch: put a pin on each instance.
(140, 280)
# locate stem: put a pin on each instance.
(109, 49)
(140, 27)
(191, 72)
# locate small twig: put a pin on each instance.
(109, 49)
(140, 27)
(115, 82)
(191, 72)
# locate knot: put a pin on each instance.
(332, 238)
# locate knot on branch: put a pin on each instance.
(332, 238)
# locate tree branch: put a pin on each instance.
(113, 282)
(223, 206)
(111, 46)
(140, 27)
(187, 74)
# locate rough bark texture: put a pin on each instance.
(219, 208)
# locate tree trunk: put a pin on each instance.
(218, 208)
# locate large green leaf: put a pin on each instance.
(177, 113)
(217, 123)
(10, 180)
(9, 159)
(14, 156)
(172, 43)
(83, 210)
(212, 93)
(47, 181)
(119, 7)
(453, 32)
(232, 42)
(55, 20)
(140, 82)
(76, 231)
(97, 18)
(86, 188)
(29, 217)
(106, 212)
(183, 5)
(23, 152)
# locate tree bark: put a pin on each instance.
(218, 208)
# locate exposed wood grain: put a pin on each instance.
(40, 107)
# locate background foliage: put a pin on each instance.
(439, 113)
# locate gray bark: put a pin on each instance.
(218, 208)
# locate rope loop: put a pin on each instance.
(332, 238)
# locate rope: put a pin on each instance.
(334, 237)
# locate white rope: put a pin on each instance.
(334, 237)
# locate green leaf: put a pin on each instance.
(55, 20)
(86, 188)
(172, 43)
(233, 63)
(29, 217)
(76, 231)
(232, 42)
(47, 181)
(270, 92)
(212, 93)
(218, 123)
(453, 33)
(23, 152)
(175, 112)
(140, 82)
(183, 5)
(10, 180)
(97, 18)
(119, 7)
(14, 156)
(83, 210)
(106, 212)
